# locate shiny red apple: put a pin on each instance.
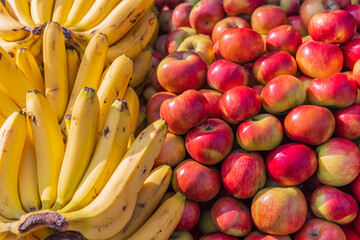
(226, 23)
(311, 7)
(348, 122)
(190, 216)
(283, 38)
(234, 7)
(267, 17)
(180, 15)
(319, 229)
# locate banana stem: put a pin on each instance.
(41, 219)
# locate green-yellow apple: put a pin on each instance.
(205, 224)
(200, 45)
(181, 235)
(176, 37)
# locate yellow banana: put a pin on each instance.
(28, 65)
(20, 9)
(148, 199)
(80, 145)
(142, 67)
(104, 74)
(13, 134)
(10, 28)
(114, 84)
(43, 233)
(164, 221)
(61, 10)
(2, 120)
(118, 22)
(49, 145)
(35, 49)
(7, 106)
(66, 127)
(141, 124)
(134, 107)
(41, 10)
(73, 63)
(131, 140)
(12, 46)
(109, 151)
(78, 11)
(55, 69)
(134, 42)
(31, 237)
(155, 34)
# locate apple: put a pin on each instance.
(210, 142)
(335, 27)
(243, 174)
(282, 93)
(181, 71)
(356, 224)
(216, 52)
(205, 224)
(164, 18)
(290, 7)
(355, 188)
(200, 45)
(258, 88)
(173, 3)
(172, 152)
(273, 64)
(267, 17)
(306, 80)
(205, 14)
(279, 210)
(226, 23)
(291, 164)
(239, 103)
(155, 80)
(309, 124)
(339, 162)
(351, 52)
(217, 236)
(334, 205)
(196, 181)
(343, 3)
(159, 4)
(256, 235)
(311, 7)
(234, 7)
(296, 22)
(283, 38)
(319, 229)
(160, 43)
(251, 78)
(348, 122)
(350, 232)
(354, 10)
(190, 216)
(213, 98)
(223, 75)
(152, 109)
(181, 235)
(180, 15)
(176, 37)
(231, 216)
(233, 41)
(319, 59)
(356, 73)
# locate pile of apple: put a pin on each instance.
(262, 101)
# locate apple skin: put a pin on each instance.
(356, 224)
(239, 103)
(160, 43)
(256, 235)
(218, 236)
(258, 88)
(234, 7)
(210, 142)
(337, 91)
(181, 71)
(262, 132)
(311, 7)
(213, 98)
(282, 93)
(173, 3)
(180, 15)
(291, 164)
(356, 73)
(159, 4)
(351, 52)
(181, 235)
(185, 111)
(279, 210)
(309, 62)
(152, 109)
(333, 205)
(267, 17)
(309, 124)
(339, 162)
(200, 45)
(205, 14)
(196, 181)
(306, 80)
(226, 23)
(231, 216)
(350, 232)
(343, 3)
(354, 10)
(334, 27)
(205, 224)
(290, 7)
(172, 152)
(243, 174)
(223, 75)
(251, 78)
(176, 37)
(348, 122)
(283, 38)
(355, 188)
(319, 229)
(233, 41)
(296, 22)
(272, 65)
(190, 215)
(164, 18)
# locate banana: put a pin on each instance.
(109, 151)
(141, 124)
(134, 42)
(164, 221)
(104, 74)
(55, 69)
(118, 22)
(20, 10)
(2, 120)
(49, 145)
(80, 145)
(28, 185)
(73, 63)
(12, 47)
(148, 199)
(13, 134)
(36, 49)
(78, 11)
(61, 10)
(41, 10)
(31, 237)
(10, 28)
(7, 106)
(134, 106)
(131, 140)
(66, 128)
(155, 35)
(114, 84)
(28, 65)
(142, 67)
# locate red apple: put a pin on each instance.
(279, 210)
(239, 103)
(356, 73)
(173, 3)
(305, 80)
(336, 26)
(180, 15)
(311, 7)
(283, 38)
(243, 174)
(176, 37)
(354, 10)
(351, 52)
(251, 78)
(217, 236)
(153, 105)
(290, 7)
(296, 22)
(201, 45)
(258, 88)
(267, 17)
(309, 124)
(159, 4)
(318, 229)
(256, 235)
(333, 205)
(196, 181)
(231, 216)
(233, 41)
(210, 142)
(234, 7)
(348, 122)
(223, 75)
(181, 71)
(356, 224)
(291, 164)
(343, 3)
(160, 43)
(213, 98)
(190, 215)
(319, 59)
(350, 232)
(164, 18)
(216, 52)
(172, 152)
(355, 188)
(226, 23)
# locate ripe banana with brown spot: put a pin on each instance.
(10, 28)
